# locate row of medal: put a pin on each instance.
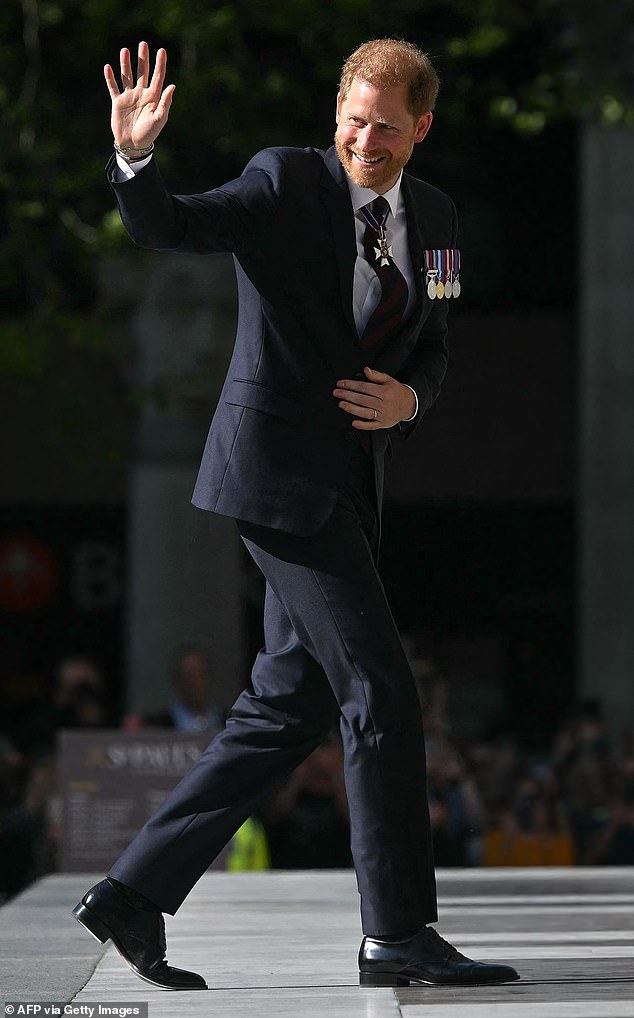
(442, 266)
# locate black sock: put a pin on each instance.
(132, 897)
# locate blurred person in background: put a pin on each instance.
(307, 821)
(536, 807)
(194, 708)
(582, 760)
(582, 735)
(458, 816)
(456, 808)
(613, 843)
(494, 764)
(25, 786)
(80, 698)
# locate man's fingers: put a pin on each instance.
(126, 68)
(367, 425)
(359, 410)
(379, 375)
(359, 398)
(111, 81)
(165, 102)
(354, 385)
(365, 417)
(158, 77)
(143, 62)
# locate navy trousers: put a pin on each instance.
(332, 651)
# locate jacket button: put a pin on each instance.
(350, 435)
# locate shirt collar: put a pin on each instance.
(364, 195)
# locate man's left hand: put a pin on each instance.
(379, 402)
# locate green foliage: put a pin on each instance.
(248, 74)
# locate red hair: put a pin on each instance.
(388, 62)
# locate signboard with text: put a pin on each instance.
(110, 783)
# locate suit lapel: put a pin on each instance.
(336, 198)
(415, 239)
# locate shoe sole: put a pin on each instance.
(389, 979)
(100, 932)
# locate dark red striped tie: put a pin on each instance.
(391, 307)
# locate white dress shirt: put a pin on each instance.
(366, 287)
(366, 290)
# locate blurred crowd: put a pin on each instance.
(492, 802)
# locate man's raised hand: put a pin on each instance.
(139, 112)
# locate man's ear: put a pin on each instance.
(338, 113)
(423, 125)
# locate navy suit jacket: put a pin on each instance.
(279, 446)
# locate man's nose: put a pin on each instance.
(366, 138)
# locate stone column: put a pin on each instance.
(606, 407)
(184, 571)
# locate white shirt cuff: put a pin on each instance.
(416, 409)
(126, 171)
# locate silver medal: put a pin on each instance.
(383, 252)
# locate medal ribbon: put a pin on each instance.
(388, 313)
(372, 220)
(443, 265)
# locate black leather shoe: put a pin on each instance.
(137, 934)
(424, 958)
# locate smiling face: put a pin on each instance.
(376, 133)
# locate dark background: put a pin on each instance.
(479, 545)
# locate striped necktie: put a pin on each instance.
(394, 294)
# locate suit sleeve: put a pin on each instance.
(227, 218)
(426, 366)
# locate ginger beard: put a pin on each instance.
(377, 170)
(376, 133)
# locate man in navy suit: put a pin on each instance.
(340, 344)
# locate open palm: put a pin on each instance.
(139, 112)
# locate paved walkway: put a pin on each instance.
(284, 944)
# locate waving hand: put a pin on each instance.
(139, 112)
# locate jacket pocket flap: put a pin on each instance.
(242, 392)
